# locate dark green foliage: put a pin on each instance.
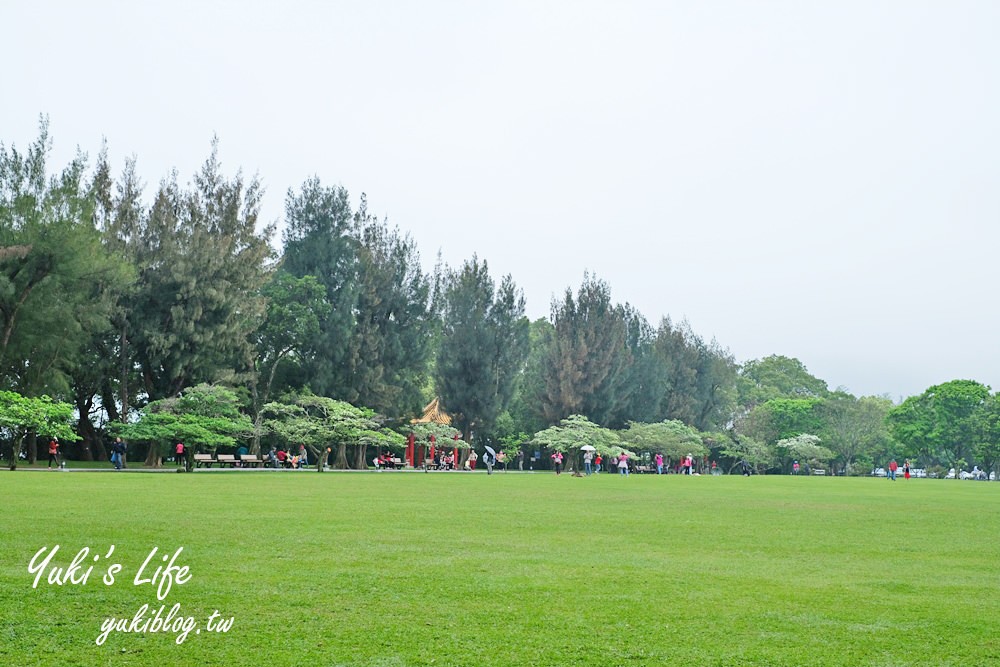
(54, 271)
(290, 325)
(777, 377)
(987, 432)
(941, 424)
(697, 379)
(201, 266)
(647, 374)
(586, 361)
(318, 242)
(783, 418)
(854, 428)
(373, 347)
(391, 347)
(291, 321)
(484, 343)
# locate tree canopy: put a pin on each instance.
(119, 307)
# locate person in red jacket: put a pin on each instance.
(893, 466)
(53, 452)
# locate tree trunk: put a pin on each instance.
(341, 462)
(98, 449)
(153, 459)
(123, 383)
(85, 429)
(360, 462)
(32, 448)
(108, 402)
(255, 442)
(15, 449)
(319, 456)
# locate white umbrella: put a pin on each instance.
(588, 448)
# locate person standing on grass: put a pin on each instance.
(473, 457)
(119, 448)
(520, 460)
(893, 466)
(659, 464)
(906, 469)
(53, 452)
(623, 464)
(179, 453)
(557, 459)
(588, 459)
(118, 453)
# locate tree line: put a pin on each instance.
(124, 309)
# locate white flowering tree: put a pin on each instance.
(573, 433)
(805, 447)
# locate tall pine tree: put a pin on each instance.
(318, 242)
(391, 344)
(587, 359)
(202, 264)
(484, 344)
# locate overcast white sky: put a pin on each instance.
(813, 179)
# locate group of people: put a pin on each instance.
(491, 459)
(442, 460)
(279, 458)
(445, 460)
(592, 461)
(118, 450)
(893, 467)
(383, 461)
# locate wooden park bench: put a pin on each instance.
(250, 461)
(643, 469)
(226, 460)
(819, 471)
(203, 460)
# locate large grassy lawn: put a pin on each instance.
(514, 569)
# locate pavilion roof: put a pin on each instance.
(433, 414)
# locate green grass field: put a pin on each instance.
(514, 569)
